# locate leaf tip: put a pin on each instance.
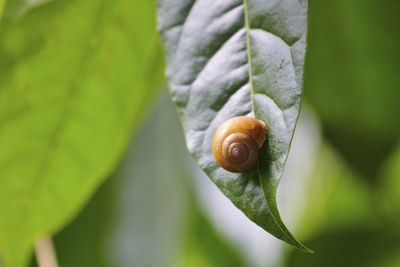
(304, 249)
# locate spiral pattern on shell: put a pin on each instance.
(236, 143)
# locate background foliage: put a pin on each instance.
(74, 84)
(152, 210)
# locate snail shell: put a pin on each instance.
(237, 141)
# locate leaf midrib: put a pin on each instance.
(247, 27)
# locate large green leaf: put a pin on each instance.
(16, 8)
(75, 78)
(233, 58)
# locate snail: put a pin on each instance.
(237, 141)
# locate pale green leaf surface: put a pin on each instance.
(390, 188)
(336, 189)
(234, 58)
(75, 77)
(2, 4)
(17, 8)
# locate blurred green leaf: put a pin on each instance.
(338, 199)
(235, 58)
(352, 77)
(76, 76)
(344, 221)
(2, 4)
(389, 191)
(16, 8)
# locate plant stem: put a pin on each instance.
(45, 253)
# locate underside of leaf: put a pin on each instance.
(233, 58)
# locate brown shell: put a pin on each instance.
(237, 141)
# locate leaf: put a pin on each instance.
(76, 77)
(233, 58)
(17, 8)
(336, 189)
(2, 4)
(389, 190)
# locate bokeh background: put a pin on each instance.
(340, 193)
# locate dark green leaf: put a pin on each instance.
(233, 58)
(76, 77)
